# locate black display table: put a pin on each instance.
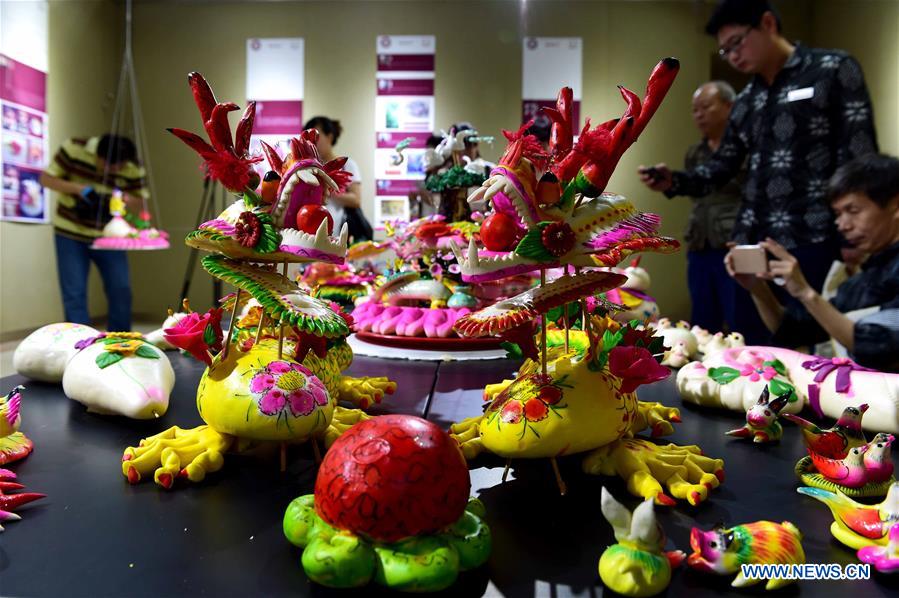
(96, 535)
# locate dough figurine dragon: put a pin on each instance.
(638, 565)
(391, 505)
(283, 384)
(578, 395)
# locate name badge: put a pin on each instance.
(800, 94)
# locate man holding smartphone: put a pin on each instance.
(863, 316)
(805, 112)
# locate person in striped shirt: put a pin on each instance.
(83, 174)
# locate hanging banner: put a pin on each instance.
(549, 64)
(275, 73)
(23, 135)
(404, 113)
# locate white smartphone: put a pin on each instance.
(749, 259)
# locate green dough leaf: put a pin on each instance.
(779, 387)
(777, 365)
(146, 352)
(724, 374)
(209, 335)
(105, 359)
(531, 245)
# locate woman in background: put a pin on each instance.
(346, 206)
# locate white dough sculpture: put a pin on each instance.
(44, 353)
(735, 377)
(120, 374)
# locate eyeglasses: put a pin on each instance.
(735, 43)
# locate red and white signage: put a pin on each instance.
(24, 135)
(404, 109)
(275, 74)
(549, 64)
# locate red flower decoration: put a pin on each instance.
(511, 413)
(635, 366)
(248, 229)
(197, 334)
(550, 395)
(535, 410)
(558, 238)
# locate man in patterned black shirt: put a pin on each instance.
(805, 112)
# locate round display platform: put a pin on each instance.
(425, 349)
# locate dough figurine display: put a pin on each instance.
(281, 384)
(44, 354)
(8, 502)
(119, 234)
(724, 551)
(633, 295)
(690, 343)
(422, 295)
(578, 396)
(761, 419)
(637, 565)
(391, 506)
(120, 373)
(14, 445)
(858, 525)
(884, 558)
(841, 459)
(734, 379)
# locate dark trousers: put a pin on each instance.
(73, 263)
(711, 290)
(814, 260)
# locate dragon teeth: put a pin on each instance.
(344, 234)
(473, 261)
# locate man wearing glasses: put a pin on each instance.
(805, 112)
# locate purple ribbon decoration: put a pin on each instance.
(824, 366)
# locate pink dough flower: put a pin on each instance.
(756, 374)
(198, 334)
(635, 366)
(283, 384)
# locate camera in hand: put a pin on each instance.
(93, 206)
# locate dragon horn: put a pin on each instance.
(195, 142)
(8, 502)
(271, 154)
(244, 130)
(660, 81)
(203, 95)
(634, 105)
(218, 129)
(295, 149)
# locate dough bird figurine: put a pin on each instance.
(279, 381)
(855, 524)
(576, 396)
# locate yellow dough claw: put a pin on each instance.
(176, 453)
(646, 467)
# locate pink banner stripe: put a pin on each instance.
(389, 140)
(278, 117)
(22, 84)
(405, 62)
(396, 187)
(405, 87)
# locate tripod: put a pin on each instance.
(212, 204)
